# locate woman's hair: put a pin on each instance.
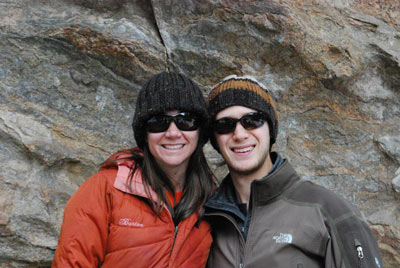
(168, 91)
(199, 184)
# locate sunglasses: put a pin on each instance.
(249, 121)
(184, 121)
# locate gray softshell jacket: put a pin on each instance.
(293, 223)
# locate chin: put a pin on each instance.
(244, 169)
(173, 163)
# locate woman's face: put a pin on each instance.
(173, 147)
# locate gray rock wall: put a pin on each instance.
(70, 71)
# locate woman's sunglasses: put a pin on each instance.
(249, 121)
(184, 121)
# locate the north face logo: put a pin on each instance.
(283, 238)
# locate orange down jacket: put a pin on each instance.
(106, 225)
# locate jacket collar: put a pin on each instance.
(262, 190)
(136, 186)
(225, 198)
(274, 184)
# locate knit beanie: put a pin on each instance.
(165, 92)
(243, 91)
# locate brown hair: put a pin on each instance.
(199, 184)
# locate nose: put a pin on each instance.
(240, 132)
(173, 131)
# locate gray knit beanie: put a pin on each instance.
(165, 92)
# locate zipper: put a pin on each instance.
(173, 242)
(246, 245)
(360, 252)
(221, 214)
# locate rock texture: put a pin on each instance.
(70, 71)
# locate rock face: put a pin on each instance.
(70, 71)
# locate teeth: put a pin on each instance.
(243, 150)
(177, 146)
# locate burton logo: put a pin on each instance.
(129, 222)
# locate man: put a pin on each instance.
(263, 214)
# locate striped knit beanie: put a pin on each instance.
(243, 91)
(165, 92)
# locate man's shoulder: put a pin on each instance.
(331, 203)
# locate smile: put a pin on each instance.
(173, 147)
(243, 150)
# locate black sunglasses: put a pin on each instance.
(184, 121)
(248, 121)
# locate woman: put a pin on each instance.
(142, 208)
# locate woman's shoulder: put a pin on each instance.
(124, 156)
(109, 169)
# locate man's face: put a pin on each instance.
(246, 152)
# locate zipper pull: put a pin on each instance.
(359, 248)
(360, 252)
(241, 265)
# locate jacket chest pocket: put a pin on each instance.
(131, 235)
(288, 235)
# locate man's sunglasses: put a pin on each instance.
(184, 121)
(249, 121)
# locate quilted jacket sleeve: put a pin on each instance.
(84, 231)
